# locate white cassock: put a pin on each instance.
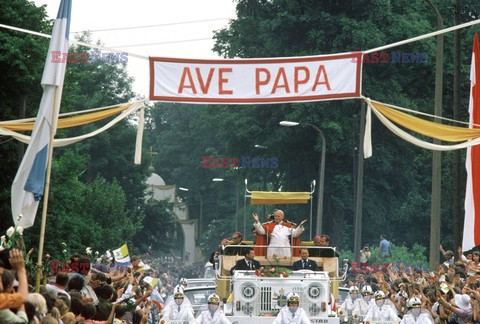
(424, 318)
(279, 243)
(174, 312)
(384, 313)
(219, 317)
(285, 316)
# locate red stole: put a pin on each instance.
(262, 239)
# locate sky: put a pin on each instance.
(109, 14)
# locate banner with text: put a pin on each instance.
(256, 81)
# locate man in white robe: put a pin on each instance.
(278, 232)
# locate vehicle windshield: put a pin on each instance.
(200, 283)
(200, 296)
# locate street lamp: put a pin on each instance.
(236, 200)
(200, 220)
(322, 173)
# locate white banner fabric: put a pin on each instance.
(256, 81)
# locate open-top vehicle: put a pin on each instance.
(256, 296)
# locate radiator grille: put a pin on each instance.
(265, 299)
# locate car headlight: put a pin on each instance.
(314, 292)
(247, 308)
(249, 291)
(314, 309)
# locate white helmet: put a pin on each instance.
(353, 290)
(183, 282)
(414, 302)
(379, 295)
(213, 299)
(178, 294)
(367, 290)
(178, 288)
(293, 298)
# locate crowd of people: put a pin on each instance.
(84, 292)
(450, 294)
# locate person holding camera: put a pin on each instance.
(365, 254)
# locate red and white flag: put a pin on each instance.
(471, 229)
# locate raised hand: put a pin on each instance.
(16, 259)
(302, 223)
(255, 217)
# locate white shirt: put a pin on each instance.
(384, 313)
(172, 312)
(218, 318)
(285, 316)
(279, 243)
(347, 306)
(55, 290)
(361, 307)
(423, 318)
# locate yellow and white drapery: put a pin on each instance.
(390, 116)
(12, 128)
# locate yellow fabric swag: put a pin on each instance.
(271, 198)
(428, 128)
(67, 122)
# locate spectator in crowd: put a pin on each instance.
(40, 305)
(384, 249)
(18, 266)
(119, 311)
(365, 254)
(448, 255)
(135, 262)
(61, 281)
(102, 310)
(474, 265)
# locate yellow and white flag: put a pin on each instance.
(121, 255)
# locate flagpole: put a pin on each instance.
(53, 130)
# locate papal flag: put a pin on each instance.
(151, 281)
(121, 255)
(28, 186)
(471, 229)
(157, 299)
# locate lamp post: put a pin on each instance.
(321, 171)
(236, 200)
(200, 221)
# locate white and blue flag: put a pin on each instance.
(28, 186)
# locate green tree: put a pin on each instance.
(84, 214)
(397, 178)
(21, 64)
